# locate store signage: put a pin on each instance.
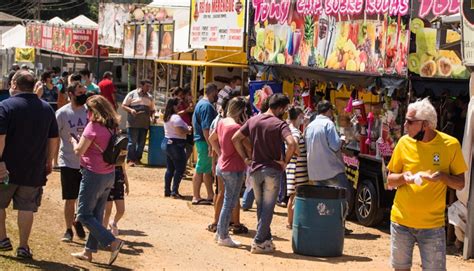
(365, 36)
(428, 59)
(280, 10)
(25, 55)
(62, 39)
(467, 12)
(437, 7)
(217, 23)
(148, 41)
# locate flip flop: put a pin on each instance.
(114, 254)
(198, 202)
(208, 202)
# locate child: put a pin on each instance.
(116, 195)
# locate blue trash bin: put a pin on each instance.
(156, 156)
(318, 222)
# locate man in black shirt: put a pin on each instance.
(28, 142)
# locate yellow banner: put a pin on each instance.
(25, 55)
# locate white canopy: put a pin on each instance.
(56, 20)
(15, 37)
(168, 3)
(83, 21)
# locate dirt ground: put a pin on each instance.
(167, 234)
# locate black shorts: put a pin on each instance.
(118, 191)
(70, 182)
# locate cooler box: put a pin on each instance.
(156, 156)
(318, 222)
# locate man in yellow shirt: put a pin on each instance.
(424, 163)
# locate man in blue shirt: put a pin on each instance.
(204, 114)
(28, 143)
(323, 146)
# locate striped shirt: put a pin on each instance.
(296, 170)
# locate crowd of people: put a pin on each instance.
(237, 150)
(263, 155)
(70, 134)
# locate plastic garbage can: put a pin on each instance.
(156, 156)
(318, 222)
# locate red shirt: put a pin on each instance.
(187, 117)
(107, 89)
(230, 160)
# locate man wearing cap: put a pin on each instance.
(323, 145)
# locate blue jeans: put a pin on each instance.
(431, 242)
(248, 198)
(136, 143)
(232, 184)
(93, 194)
(175, 165)
(282, 195)
(266, 185)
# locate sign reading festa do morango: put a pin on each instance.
(369, 36)
(217, 23)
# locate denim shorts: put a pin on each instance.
(431, 242)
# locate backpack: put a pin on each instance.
(116, 150)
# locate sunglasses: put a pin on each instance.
(410, 122)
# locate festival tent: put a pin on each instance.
(83, 21)
(56, 20)
(14, 37)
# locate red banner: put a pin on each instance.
(74, 41)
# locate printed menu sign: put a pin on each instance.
(167, 33)
(428, 60)
(129, 41)
(467, 12)
(366, 36)
(153, 41)
(140, 41)
(217, 23)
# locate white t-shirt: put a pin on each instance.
(171, 127)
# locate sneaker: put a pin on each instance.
(79, 230)
(6, 245)
(270, 243)
(24, 253)
(228, 242)
(265, 247)
(114, 229)
(68, 235)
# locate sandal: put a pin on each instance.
(6, 245)
(114, 254)
(199, 202)
(81, 256)
(212, 227)
(290, 227)
(208, 202)
(239, 229)
(24, 253)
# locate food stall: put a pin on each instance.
(216, 39)
(360, 57)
